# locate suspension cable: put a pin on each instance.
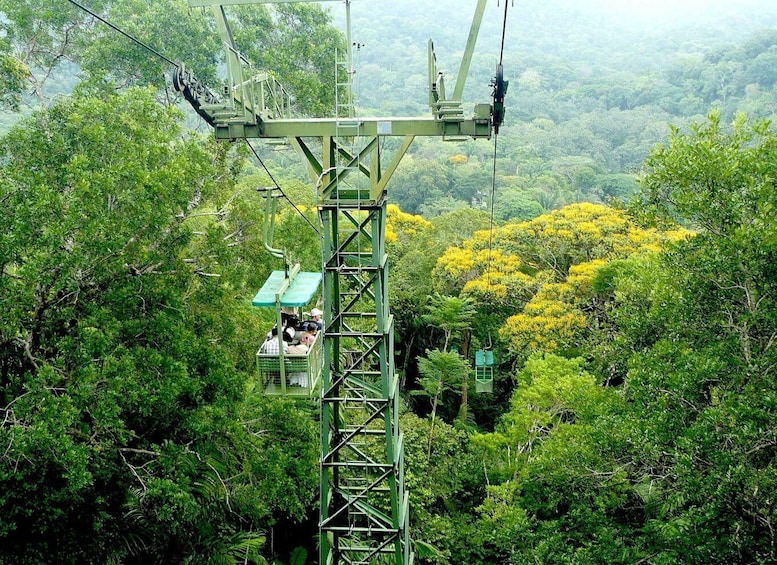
(493, 173)
(504, 29)
(275, 182)
(124, 33)
(491, 221)
(160, 55)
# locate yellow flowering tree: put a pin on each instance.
(543, 270)
(579, 233)
(488, 273)
(549, 322)
(401, 226)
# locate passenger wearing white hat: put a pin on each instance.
(316, 316)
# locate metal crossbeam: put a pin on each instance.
(364, 507)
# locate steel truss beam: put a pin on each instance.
(364, 507)
(364, 516)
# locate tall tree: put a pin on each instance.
(297, 43)
(168, 27)
(48, 40)
(451, 314)
(39, 38)
(441, 371)
(125, 430)
(715, 366)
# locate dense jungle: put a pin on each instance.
(615, 247)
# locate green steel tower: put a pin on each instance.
(364, 506)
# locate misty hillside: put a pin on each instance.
(593, 86)
(601, 37)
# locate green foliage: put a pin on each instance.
(716, 180)
(41, 40)
(444, 486)
(298, 45)
(126, 431)
(708, 386)
(298, 556)
(550, 465)
(418, 181)
(441, 370)
(12, 76)
(451, 314)
(167, 27)
(37, 38)
(130, 431)
(412, 260)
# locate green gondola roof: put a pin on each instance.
(299, 293)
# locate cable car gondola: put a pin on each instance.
(484, 371)
(284, 368)
(286, 373)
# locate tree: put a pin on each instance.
(450, 314)
(510, 265)
(166, 26)
(126, 432)
(418, 181)
(413, 253)
(516, 204)
(12, 77)
(553, 472)
(295, 43)
(704, 381)
(441, 371)
(38, 37)
(549, 322)
(444, 488)
(441, 205)
(298, 45)
(453, 316)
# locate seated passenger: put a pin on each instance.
(289, 320)
(271, 345)
(308, 337)
(299, 378)
(316, 316)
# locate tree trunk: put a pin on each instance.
(466, 338)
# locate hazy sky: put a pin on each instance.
(663, 9)
(638, 11)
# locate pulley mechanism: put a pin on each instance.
(500, 89)
(194, 90)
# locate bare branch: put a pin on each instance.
(141, 451)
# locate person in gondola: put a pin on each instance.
(289, 317)
(271, 345)
(302, 348)
(308, 337)
(305, 342)
(316, 316)
(289, 333)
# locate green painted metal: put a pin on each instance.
(362, 466)
(364, 506)
(240, 88)
(302, 369)
(298, 293)
(477, 126)
(484, 371)
(466, 59)
(268, 232)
